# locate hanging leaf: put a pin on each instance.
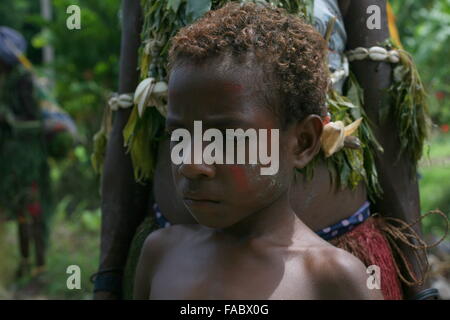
(409, 107)
(173, 4)
(197, 8)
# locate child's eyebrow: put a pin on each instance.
(231, 86)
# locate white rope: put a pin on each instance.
(374, 53)
(124, 100)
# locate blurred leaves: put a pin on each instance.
(424, 28)
(42, 39)
(196, 8)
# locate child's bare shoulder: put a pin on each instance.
(156, 246)
(163, 239)
(339, 274)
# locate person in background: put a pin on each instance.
(24, 171)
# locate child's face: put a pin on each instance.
(220, 195)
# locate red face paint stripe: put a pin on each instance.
(239, 176)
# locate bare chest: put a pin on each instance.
(231, 277)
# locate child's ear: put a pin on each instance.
(307, 140)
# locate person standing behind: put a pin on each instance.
(24, 185)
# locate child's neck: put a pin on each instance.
(275, 223)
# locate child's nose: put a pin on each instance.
(197, 171)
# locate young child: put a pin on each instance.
(249, 67)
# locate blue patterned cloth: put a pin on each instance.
(328, 233)
(324, 10)
(346, 225)
(11, 40)
(160, 219)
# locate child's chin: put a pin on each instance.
(211, 220)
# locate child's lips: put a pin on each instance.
(199, 200)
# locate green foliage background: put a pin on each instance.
(424, 28)
(85, 71)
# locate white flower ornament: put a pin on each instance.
(150, 93)
(335, 135)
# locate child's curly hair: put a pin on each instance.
(289, 52)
